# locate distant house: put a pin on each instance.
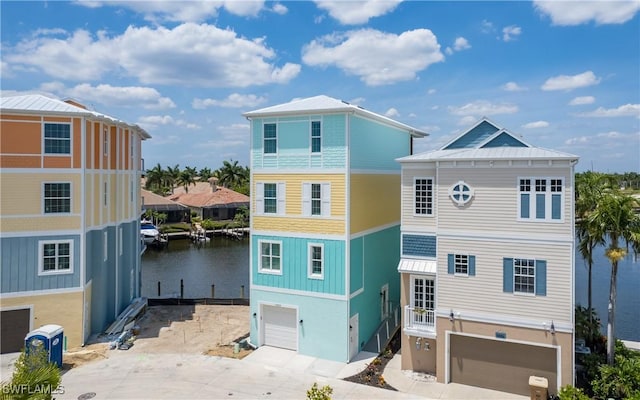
(325, 225)
(209, 200)
(70, 240)
(487, 261)
(175, 212)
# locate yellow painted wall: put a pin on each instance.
(375, 201)
(22, 194)
(294, 221)
(96, 205)
(63, 309)
(44, 224)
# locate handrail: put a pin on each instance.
(419, 318)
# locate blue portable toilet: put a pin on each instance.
(51, 338)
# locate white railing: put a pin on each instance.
(419, 319)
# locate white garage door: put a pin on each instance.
(280, 327)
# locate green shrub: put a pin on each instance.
(34, 377)
(316, 393)
(621, 381)
(569, 392)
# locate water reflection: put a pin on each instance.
(221, 262)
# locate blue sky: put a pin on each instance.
(564, 75)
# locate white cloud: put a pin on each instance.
(357, 12)
(581, 12)
(605, 140)
(182, 11)
(467, 121)
(580, 100)
(459, 45)
(627, 110)
(392, 113)
(570, 82)
(512, 87)
(152, 121)
(189, 54)
(378, 58)
(536, 124)
(432, 91)
(118, 96)
(229, 136)
(487, 26)
(280, 9)
(234, 100)
(483, 108)
(511, 32)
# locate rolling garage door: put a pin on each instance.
(280, 327)
(14, 326)
(499, 365)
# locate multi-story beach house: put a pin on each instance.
(325, 224)
(70, 230)
(487, 261)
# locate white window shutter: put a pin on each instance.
(306, 199)
(259, 198)
(326, 199)
(281, 198)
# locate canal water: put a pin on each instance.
(224, 263)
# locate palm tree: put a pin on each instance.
(589, 188)
(615, 220)
(155, 179)
(204, 174)
(230, 175)
(187, 177)
(172, 176)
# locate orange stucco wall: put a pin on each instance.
(28, 141)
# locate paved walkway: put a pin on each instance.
(267, 373)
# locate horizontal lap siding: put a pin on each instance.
(483, 293)
(20, 137)
(494, 207)
(374, 146)
(22, 194)
(375, 201)
(294, 262)
(409, 221)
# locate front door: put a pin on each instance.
(384, 302)
(353, 337)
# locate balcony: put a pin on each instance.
(419, 322)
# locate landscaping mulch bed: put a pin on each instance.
(372, 374)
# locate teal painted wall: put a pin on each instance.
(375, 147)
(294, 136)
(381, 256)
(356, 269)
(295, 266)
(325, 330)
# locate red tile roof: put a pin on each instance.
(202, 195)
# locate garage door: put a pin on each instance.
(14, 327)
(499, 365)
(280, 327)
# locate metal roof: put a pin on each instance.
(419, 266)
(324, 105)
(38, 104)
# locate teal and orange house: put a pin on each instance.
(325, 224)
(70, 228)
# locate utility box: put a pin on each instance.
(539, 387)
(48, 337)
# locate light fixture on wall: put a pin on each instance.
(301, 321)
(418, 340)
(427, 347)
(451, 316)
(552, 328)
(255, 315)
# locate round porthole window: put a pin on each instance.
(461, 193)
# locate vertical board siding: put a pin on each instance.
(103, 284)
(381, 254)
(294, 264)
(489, 293)
(20, 263)
(356, 265)
(374, 146)
(375, 201)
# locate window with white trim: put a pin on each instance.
(57, 197)
(270, 198)
(105, 246)
(540, 199)
(423, 301)
(316, 199)
(106, 193)
(461, 264)
(105, 143)
(316, 260)
(270, 257)
(423, 196)
(270, 139)
(56, 257)
(57, 138)
(524, 276)
(316, 137)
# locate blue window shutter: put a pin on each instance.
(524, 206)
(541, 278)
(450, 264)
(472, 265)
(507, 275)
(556, 206)
(540, 207)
